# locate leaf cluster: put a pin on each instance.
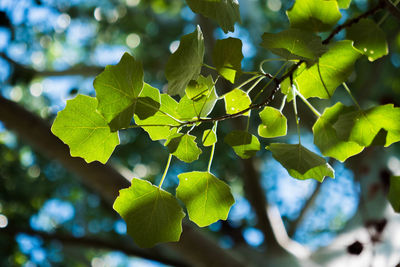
(312, 68)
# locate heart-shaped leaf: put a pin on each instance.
(84, 130)
(206, 198)
(152, 215)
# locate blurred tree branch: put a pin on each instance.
(76, 70)
(309, 203)
(91, 242)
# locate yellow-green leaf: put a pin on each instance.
(84, 130)
(185, 63)
(273, 123)
(314, 15)
(294, 44)
(369, 39)
(117, 89)
(325, 136)
(332, 69)
(300, 162)
(184, 147)
(243, 143)
(225, 12)
(152, 215)
(206, 198)
(236, 101)
(227, 57)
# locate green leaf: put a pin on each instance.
(343, 4)
(206, 198)
(394, 193)
(200, 87)
(225, 12)
(333, 68)
(325, 136)
(209, 137)
(300, 162)
(148, 103)
(243, 143)
(362, 126)
(294, 44)
(201, 104)
(227, 57)
(314, 15)
(117, 89)
(84, 130)
(273, 124)
(152, 215)
(185, 64)
(184, 147)
(369, 39)
(163, 116)
(236, 101)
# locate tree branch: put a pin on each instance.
(77, 70)
(150, 254)
(303, 212)
(352, 21)
(104, 180)
(392, 8)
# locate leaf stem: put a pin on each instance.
(270, 81)
(269, 60)
(211, 157)
(210, 67)
(283, 103)
(255, 84)
(351, 95)
(313, 109)
(295, 112)
(165, 171)
(248, 81)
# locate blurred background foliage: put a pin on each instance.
(50, 50)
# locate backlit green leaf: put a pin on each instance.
(273, 123)
(200, 105)
(225, 12)
(148, 102)
(314, 15)
(243, 143)
(200, 87)
(227, 57)
(394, 193)
(343, 4)
(206, 198)
(362, 126)
(325, 136)
(369, 39)
(163, 116)
(84, 130)
(209, 137)
(185, 63)
(236, 101)
(184, 147)
(300, 162)
(152, 215)
(333, 68)
(117, 89)
(294, 44)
